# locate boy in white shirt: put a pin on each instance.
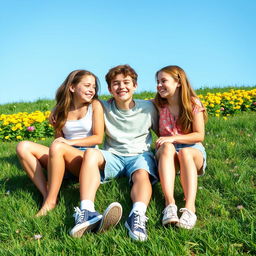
(126, 153)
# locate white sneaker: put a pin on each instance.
(170, 215)
(187, 219)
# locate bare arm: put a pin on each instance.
(197, 135)
(97, 129)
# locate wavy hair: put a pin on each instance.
(126, 70)
(64, 98)
(187, 97)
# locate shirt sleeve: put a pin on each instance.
(154, 115)
(197, 106)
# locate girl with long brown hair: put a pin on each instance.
(78, 123)
(182, 120)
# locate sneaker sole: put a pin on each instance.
(79, 229)
(133, 236)
(170, 222)
(111, 217)
(180, 225)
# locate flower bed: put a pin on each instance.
(25, 125)
(35, 125)
(228, 103)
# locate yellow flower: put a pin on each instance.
(217, 115)
(225, 118)
(42, 138)
(7, 137)
(18, 137)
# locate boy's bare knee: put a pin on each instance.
(140, 175)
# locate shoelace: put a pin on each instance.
(170, 210)
(140, 220)
(186, 215)
(79, 215)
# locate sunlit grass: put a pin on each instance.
(226, 203)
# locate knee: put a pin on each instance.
(91, 156)
(140, 175)
(22, 148)
(167, 149)
(184, 153)
(56, 148)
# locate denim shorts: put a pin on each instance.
(117, 166)
(84, 148)
(198, 146)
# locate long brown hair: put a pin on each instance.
(187, 97)
(64, 97)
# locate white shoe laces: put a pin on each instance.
(170, 211)
(140, 220)
(188, 218)
(78, 215)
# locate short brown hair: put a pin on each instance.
(126, 70)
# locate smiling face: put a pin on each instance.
(166, 85)
(122, 88)
(84, 90)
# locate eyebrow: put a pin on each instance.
(125, 80)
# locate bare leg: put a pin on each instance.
(141, 190)
(61, 156)
(89, 177)
(191, 161)
(166, 168)
(33, 158)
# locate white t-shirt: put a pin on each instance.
(128, 131)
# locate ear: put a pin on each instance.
(71, 88)
(178, 85)
(135, 85)
(109, 89)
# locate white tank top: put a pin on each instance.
(77, 129)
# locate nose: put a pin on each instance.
(91, 88)
(158, 84)
(121, 85)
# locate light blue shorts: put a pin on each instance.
(84, 148)
(198, 146)
(117, 166)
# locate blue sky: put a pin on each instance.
(43, 41)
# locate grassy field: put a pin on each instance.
(226, 203)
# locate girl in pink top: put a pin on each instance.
(181, 129)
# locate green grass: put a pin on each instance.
(222, 227)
